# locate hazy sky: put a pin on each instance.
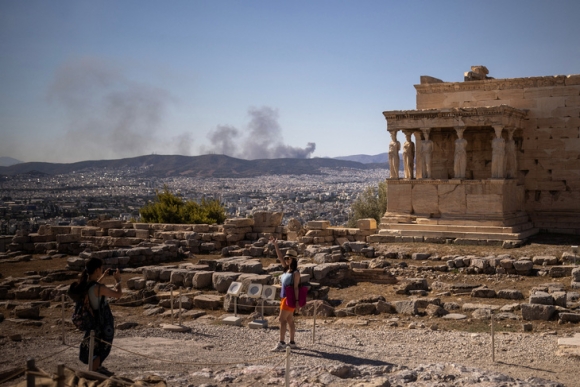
(84, 80)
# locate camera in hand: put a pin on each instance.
(110, 271)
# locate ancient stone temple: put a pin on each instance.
(487, 159)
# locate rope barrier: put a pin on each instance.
(187, 363)
(131, 303)
(61, 351)
(16, 373)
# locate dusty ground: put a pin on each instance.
(553, 368)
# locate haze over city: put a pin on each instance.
(84, 80)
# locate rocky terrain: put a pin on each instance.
(367, 334)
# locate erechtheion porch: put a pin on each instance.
(460, 174)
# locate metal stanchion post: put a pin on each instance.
(492, 337)
(30, 375)
(63, 332)
(171, 302)
(91, 350)
(60, 374)
(235, 306)
(314, 324)
(575, 251)
(179, 307)
(262, 313)
(287, 373)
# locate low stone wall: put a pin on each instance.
(235, 233)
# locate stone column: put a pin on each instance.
(418, 154)
(510, 155)
(394, 148)
(427, 152)
(460, 162)
(408, 155)
(498, 154)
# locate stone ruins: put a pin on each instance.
(494, 159)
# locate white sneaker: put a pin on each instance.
(293, 345)
(279, 347)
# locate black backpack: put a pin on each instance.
(83, 316)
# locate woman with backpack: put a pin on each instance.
(90, 289)
(290, 279)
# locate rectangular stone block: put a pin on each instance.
(425, 199)
(510, 94)
(452, 199)
(68, 238)
(484, 204)
(318, 224)
(367, 224)
(239, 222)
(399, 198)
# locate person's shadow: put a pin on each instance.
(341, 357)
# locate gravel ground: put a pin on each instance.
(347, 352)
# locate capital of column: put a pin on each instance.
(498, 129)
(459, 130)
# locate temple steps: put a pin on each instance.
(461, 229)
(465, 232)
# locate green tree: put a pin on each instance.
(371, 203)
(168, 208)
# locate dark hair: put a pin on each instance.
(78, 290)
(293, 264)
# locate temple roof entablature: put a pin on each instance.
(502, 115)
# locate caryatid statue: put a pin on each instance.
(510, 155)
(408, 156)
(498, 154)
(394, 148)
(427, 151)
(418, 155)
(460, 162)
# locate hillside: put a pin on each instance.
(194, 166)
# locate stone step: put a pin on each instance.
(455, 228)
(464, 235)
(475, 221)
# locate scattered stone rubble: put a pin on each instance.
(203, 286)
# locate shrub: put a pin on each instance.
(168, 208)
(371, 203)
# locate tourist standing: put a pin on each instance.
(90, 284)
(290, 277)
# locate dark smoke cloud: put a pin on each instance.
(263, 139)
(109, 115)
(223, 140)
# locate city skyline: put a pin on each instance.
(107, 80)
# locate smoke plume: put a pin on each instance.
(263, 139)
(109, 115)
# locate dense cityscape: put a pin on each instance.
(27, 201)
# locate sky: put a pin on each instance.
(92, 80)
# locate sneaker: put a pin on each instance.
(279, 347)
(293, 345)
(104, 371)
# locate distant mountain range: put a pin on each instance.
(366, 159)
(197, 166)
(8, 161)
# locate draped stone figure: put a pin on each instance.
(419, 155)
(510, 155)
(408, 156)
(460, 162)
(394, 148)
(427, 151)
(498, 156)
